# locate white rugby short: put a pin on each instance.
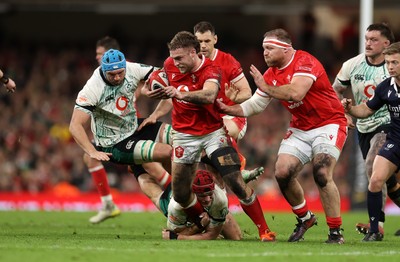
(187, 148)
(305, 145)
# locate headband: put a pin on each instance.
(276, 43)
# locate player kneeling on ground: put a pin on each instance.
(216, 220)
(210, 195)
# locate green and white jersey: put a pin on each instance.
(112, 108)
(363, 79)
(177, 218)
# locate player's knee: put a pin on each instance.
(86, 159)
(320, 175)
(320, 179)
(376, 183)
(136, 170)
(283, 176)
(283, 182)
(237, 236)
(320, 170)
(225, 160)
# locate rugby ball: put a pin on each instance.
(158, 79)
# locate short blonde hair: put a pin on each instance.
(392, 49)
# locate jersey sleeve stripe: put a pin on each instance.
(305, 74)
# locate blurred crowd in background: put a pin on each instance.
(37, 153)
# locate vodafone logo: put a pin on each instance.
(369, 90)
(183, 88)
(122, 103)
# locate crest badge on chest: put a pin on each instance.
(194, 78)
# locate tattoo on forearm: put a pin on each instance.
(198, 98)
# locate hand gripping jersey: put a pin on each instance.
(189, 118)
(363, 79)
(112, 108)
(320, 106)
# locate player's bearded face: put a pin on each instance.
(273, 55)
(184, 59)
(116, 77)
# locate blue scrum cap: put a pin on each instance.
(112, 60)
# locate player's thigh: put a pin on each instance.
(287, 165)
(183, 175)
(376, 144)
(381, 171)
(328, 139)
(162, 152)
(215, 140)
(186, 148)
(155, 169)
(297, 144)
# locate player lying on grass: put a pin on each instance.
(217, 220)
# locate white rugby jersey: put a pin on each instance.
(112, 108)
(363, 79)
(218, 210)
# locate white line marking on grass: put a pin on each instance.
(88, 248)
(333, 254)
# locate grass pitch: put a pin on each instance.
(68, 236)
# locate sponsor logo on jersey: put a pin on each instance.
(294, 105)
(109, 98)
(305, 68)
(359, 77)
(394, 109)
(172, 218)
(369, 90)
(194, 78)
(82, 99)
(388, 147)
(182, 88)
(122, 103)
(129, 144)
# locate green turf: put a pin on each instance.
(68, 236)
